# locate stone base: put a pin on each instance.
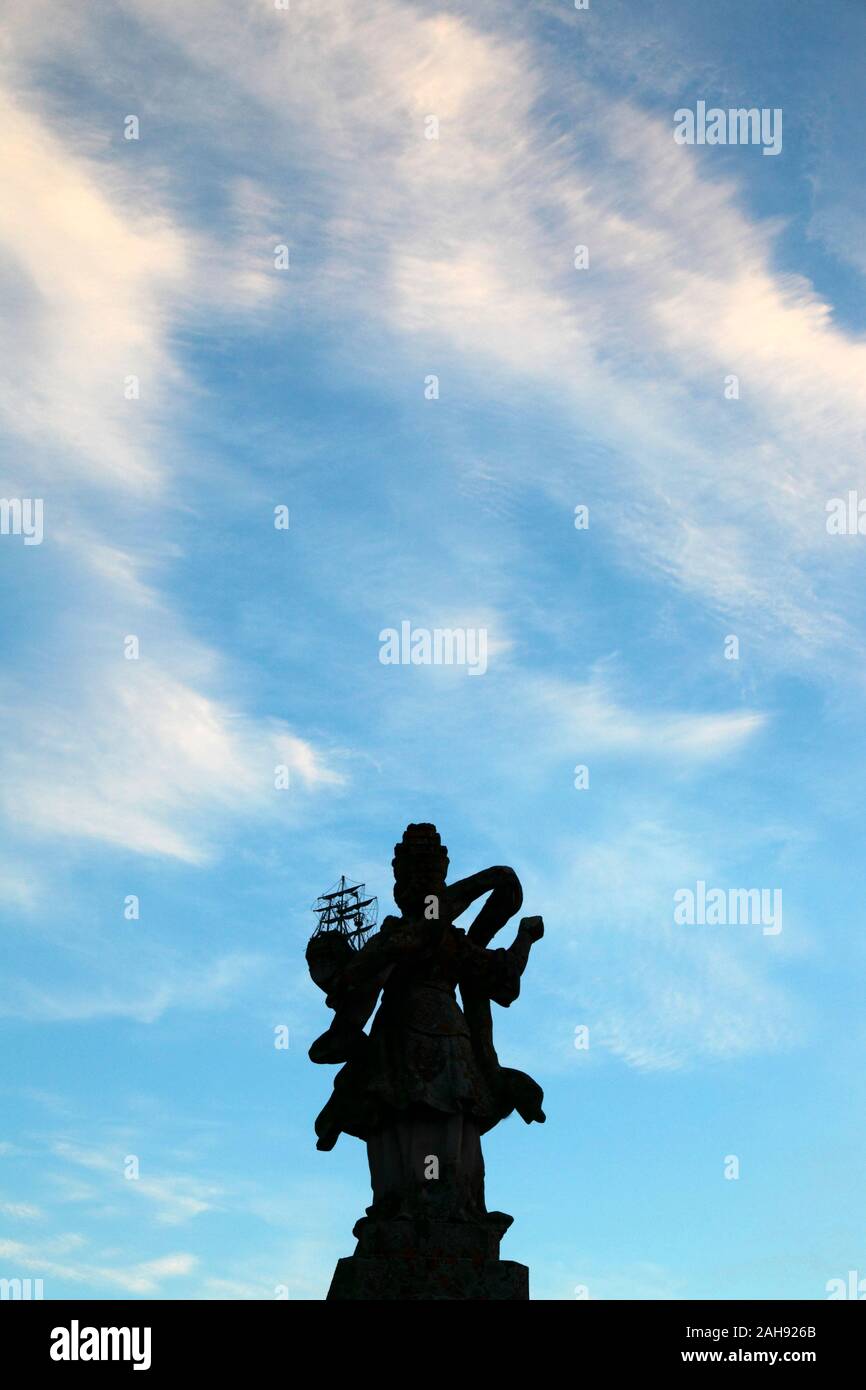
(427, 1277)
(422, 1258)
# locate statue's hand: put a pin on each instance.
(533, 927)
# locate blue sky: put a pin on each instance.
(259, 647)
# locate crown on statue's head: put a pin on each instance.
(420, 843)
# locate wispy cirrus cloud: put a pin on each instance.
(145, 1277)
(91, 292)
(463, 245)
(137, 983)
(591, 717)
(21, 1211)
(174, 1198)
(160, 762)
(655, 994)
(98, 287)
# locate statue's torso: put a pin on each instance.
(421, 997)
(422, 1052)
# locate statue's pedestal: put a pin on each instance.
(429, 1277)
(419, 1259)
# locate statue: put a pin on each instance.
(425, 1084)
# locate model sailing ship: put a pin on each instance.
(346, 912)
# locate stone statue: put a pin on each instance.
(423, 1086)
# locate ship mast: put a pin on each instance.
(347, 911)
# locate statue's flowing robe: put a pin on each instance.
(424, 1053)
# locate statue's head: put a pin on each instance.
(420, 866)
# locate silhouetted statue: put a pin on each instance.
(426, 1083)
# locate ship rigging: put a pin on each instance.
(345, 910)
